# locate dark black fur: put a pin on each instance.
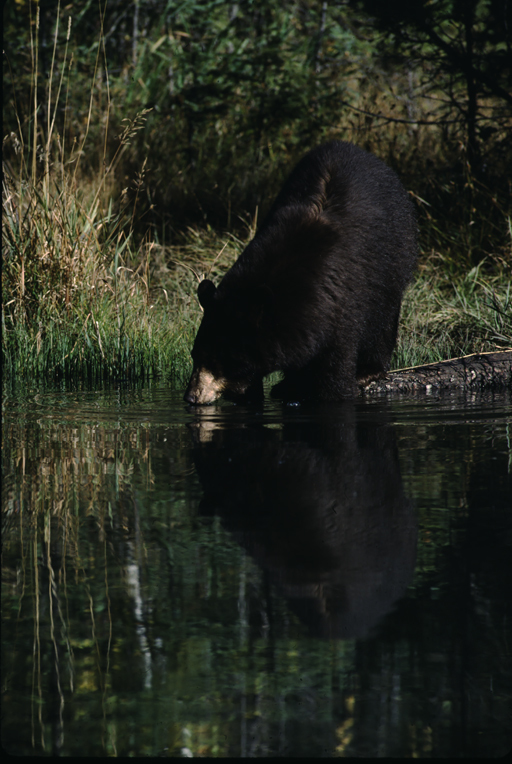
(317, 292)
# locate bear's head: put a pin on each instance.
(226, 351)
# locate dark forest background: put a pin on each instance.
(238, 91)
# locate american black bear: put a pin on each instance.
(316, 294)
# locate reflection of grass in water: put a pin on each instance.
(104, 559)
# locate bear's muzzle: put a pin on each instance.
(204, 388)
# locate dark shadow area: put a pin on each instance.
(319, 504)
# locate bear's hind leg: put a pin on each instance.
(335, 376)
(374, 356)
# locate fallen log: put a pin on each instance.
(480, 371)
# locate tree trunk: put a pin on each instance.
(472, 103)
(481, 371)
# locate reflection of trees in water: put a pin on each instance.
(319, 504)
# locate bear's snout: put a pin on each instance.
(203, 388)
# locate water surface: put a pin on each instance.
(256, 580)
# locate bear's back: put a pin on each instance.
(340, 179)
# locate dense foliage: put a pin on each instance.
(239, 90)
(462, 47)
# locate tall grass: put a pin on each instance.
(82, 302)
(446, 316)
(77, 297)
(78, 301)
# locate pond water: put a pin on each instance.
(256, 581)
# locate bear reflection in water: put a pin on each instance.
(319, 505)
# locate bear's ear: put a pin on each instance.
(205, 292)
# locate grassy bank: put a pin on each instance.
(82, 305)
(85, 301)
(445, 316)
(82, 302)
